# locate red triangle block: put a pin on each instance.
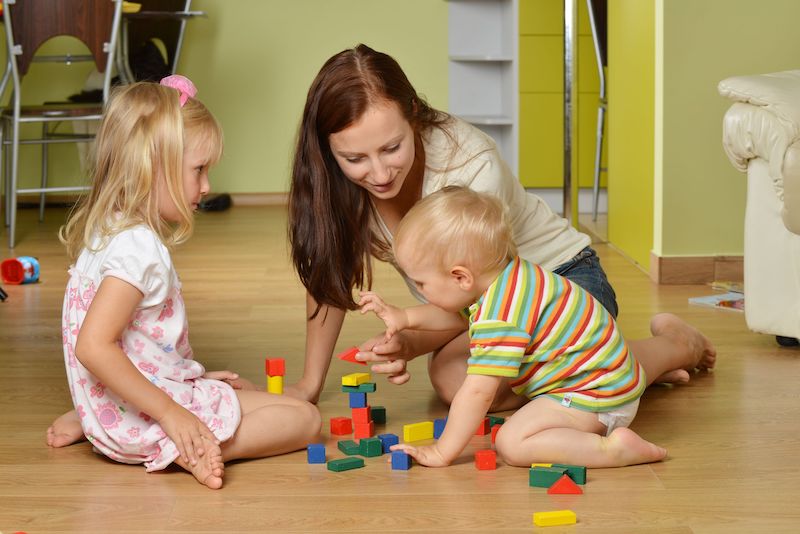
(564, 485)
(350, 356)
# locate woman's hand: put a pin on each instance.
(187, 431)
(389, 356)
(429, 455)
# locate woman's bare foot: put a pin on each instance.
(209, 468)
(698, 353)
(65, 430)
(628, 448)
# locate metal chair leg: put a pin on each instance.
(13, 196)
(598, 156)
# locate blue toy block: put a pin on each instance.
(358, 400)
(438, 427)
(401, 461)
(316, 453)
(388, 440)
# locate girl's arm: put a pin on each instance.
(98, 350)
(469, 407)
(321, 334)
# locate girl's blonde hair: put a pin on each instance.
(457, 226)
(143, 136)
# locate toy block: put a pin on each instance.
(544, 477)
(366, 387)
(378, 414)
(348, 446)
(388, 440)
(275, 384)
(496, 420)
(358, 400)
(576, 472)
(418, 431)
(552, 519)
(483, 428)
(349, 355)
(541, 465)
(401, 461)
(345, 464)
(362, 415)
(486, 459)
(355, 379)
(370, 447)
(275, 366)
(564, 485)
(438, 427)
(364, 430)
(341, 425)
(316, 453)
(495, 430)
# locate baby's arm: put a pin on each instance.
(469, 407)
(97, 349)
(422, 317)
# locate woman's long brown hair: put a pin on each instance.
(330, 231)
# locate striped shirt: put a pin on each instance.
(551, 337)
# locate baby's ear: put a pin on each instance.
(463, 277)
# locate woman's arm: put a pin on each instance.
(321, 334)
(98, 350)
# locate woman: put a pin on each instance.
(368, 149)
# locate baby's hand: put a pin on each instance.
(393, 317)
(429, 455)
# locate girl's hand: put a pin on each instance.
(187, 432)
(393, 317)
(429, 455)
(390, 357)
(231, 378)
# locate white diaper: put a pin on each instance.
(620, 417)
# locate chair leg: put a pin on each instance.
(598, 155)
(12, 226)
(45, 130)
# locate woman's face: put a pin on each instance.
(377, 151)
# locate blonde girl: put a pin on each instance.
(139, 395)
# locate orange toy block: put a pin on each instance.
(362, 415)
(486, 459)
(483, 428)
(564, 485)
(341, 426)
(495, 430)
(364, 430)
(275, 366)
(350, 356)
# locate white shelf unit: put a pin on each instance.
(484, 69)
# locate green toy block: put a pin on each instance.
(496, 420)
(348, 446)
(576, 472)
(379, 415)
(544, 477)
(369, 387)
(370, 447)
(345, 464)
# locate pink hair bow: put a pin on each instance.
(183, 84)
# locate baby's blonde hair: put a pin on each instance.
(143, 135)
(457, 226)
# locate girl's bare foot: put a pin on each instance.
(209, 468)
(65, 430)
(699, 353)
(628, 448)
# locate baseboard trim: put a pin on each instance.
(673, 270)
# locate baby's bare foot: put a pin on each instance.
(209, 468)
(65, 430)
(630, 449)
(699, 351)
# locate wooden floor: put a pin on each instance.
(733, 435)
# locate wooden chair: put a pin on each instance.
(28, 24)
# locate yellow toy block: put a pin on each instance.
(552, 519)
(275, 385)
(418, 431)
(541, 465)
(355, 379)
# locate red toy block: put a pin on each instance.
(483, 428)
(364, 430)
(564, 485)
(495, 429)
(275, 366)
(350, 356)
(341, 426)
(486, 459)
(362, 415)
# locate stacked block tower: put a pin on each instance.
(276, 370)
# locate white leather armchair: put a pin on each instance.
(761, 135)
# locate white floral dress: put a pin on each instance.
(156, 341)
